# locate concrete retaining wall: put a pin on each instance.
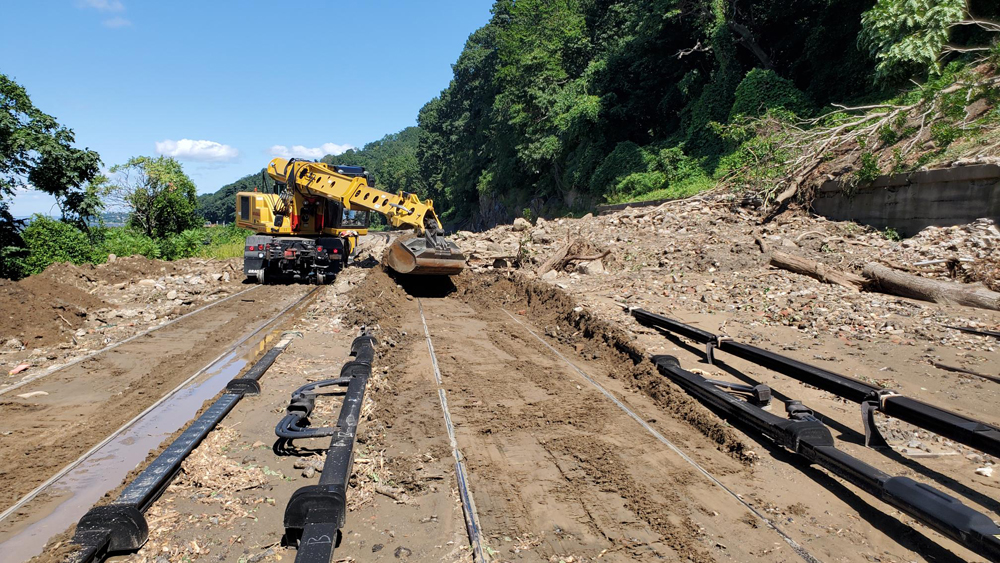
(910, 202)
(605, 209)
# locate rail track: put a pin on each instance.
(66, 495)
(537, 451)
(553, 445)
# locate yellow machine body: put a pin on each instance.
(318, 201)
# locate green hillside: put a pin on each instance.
(559, 105)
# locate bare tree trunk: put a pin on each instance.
(556, 258)
(891, 281)
(816, 270)
(750, 43)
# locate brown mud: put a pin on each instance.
(41, 310)
(82, 404)
(557, 471)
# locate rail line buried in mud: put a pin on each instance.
(218, 362)
(798, 549)
(468, 504)
(110, 347)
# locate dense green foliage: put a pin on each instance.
(393, 160)
(556, 105)
(50, 240)
(160, 197)
(37, 152)
(908, 35)
(559, 104)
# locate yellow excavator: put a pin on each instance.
(308, 225)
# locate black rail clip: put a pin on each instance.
(243, 386)
(315, 504)
(119, 527)
(315, 513)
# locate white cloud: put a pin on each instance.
(315, 153)
(116, 22)
(103, 5)
(203, 151)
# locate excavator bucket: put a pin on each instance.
(416, 256)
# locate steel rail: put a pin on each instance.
(72, 465)
(798, 549)
(89, 355)
(472, 526)
(121, 526)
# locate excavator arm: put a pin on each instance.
(430, 253)
(316, 179)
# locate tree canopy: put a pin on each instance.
(36, 152)
(160, 197)
(556, 105)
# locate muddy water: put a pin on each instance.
(68, 498)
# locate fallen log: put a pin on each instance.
(816, 270)
(592, 257)
(760, 242)
(894, 282)
(555, 258)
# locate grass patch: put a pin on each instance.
(223, 251)
(677, 190)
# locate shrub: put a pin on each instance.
(184, 244)
(49, 240)
(640, 183)
(676, 165)
(223, 242)
(892, 234)
(123, 241)
(627, 158)
(763, 90)
(944, 134)
(869, 170)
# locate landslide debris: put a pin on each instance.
(42, 311)
(704, 255)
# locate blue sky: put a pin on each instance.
(225, 86)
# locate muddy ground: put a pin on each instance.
(557, 471)
(51, 421)
(69, 311)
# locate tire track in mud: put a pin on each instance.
(538, 444)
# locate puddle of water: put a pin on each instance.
(107, 467)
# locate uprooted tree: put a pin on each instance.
(946, 47)
(36, 152)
